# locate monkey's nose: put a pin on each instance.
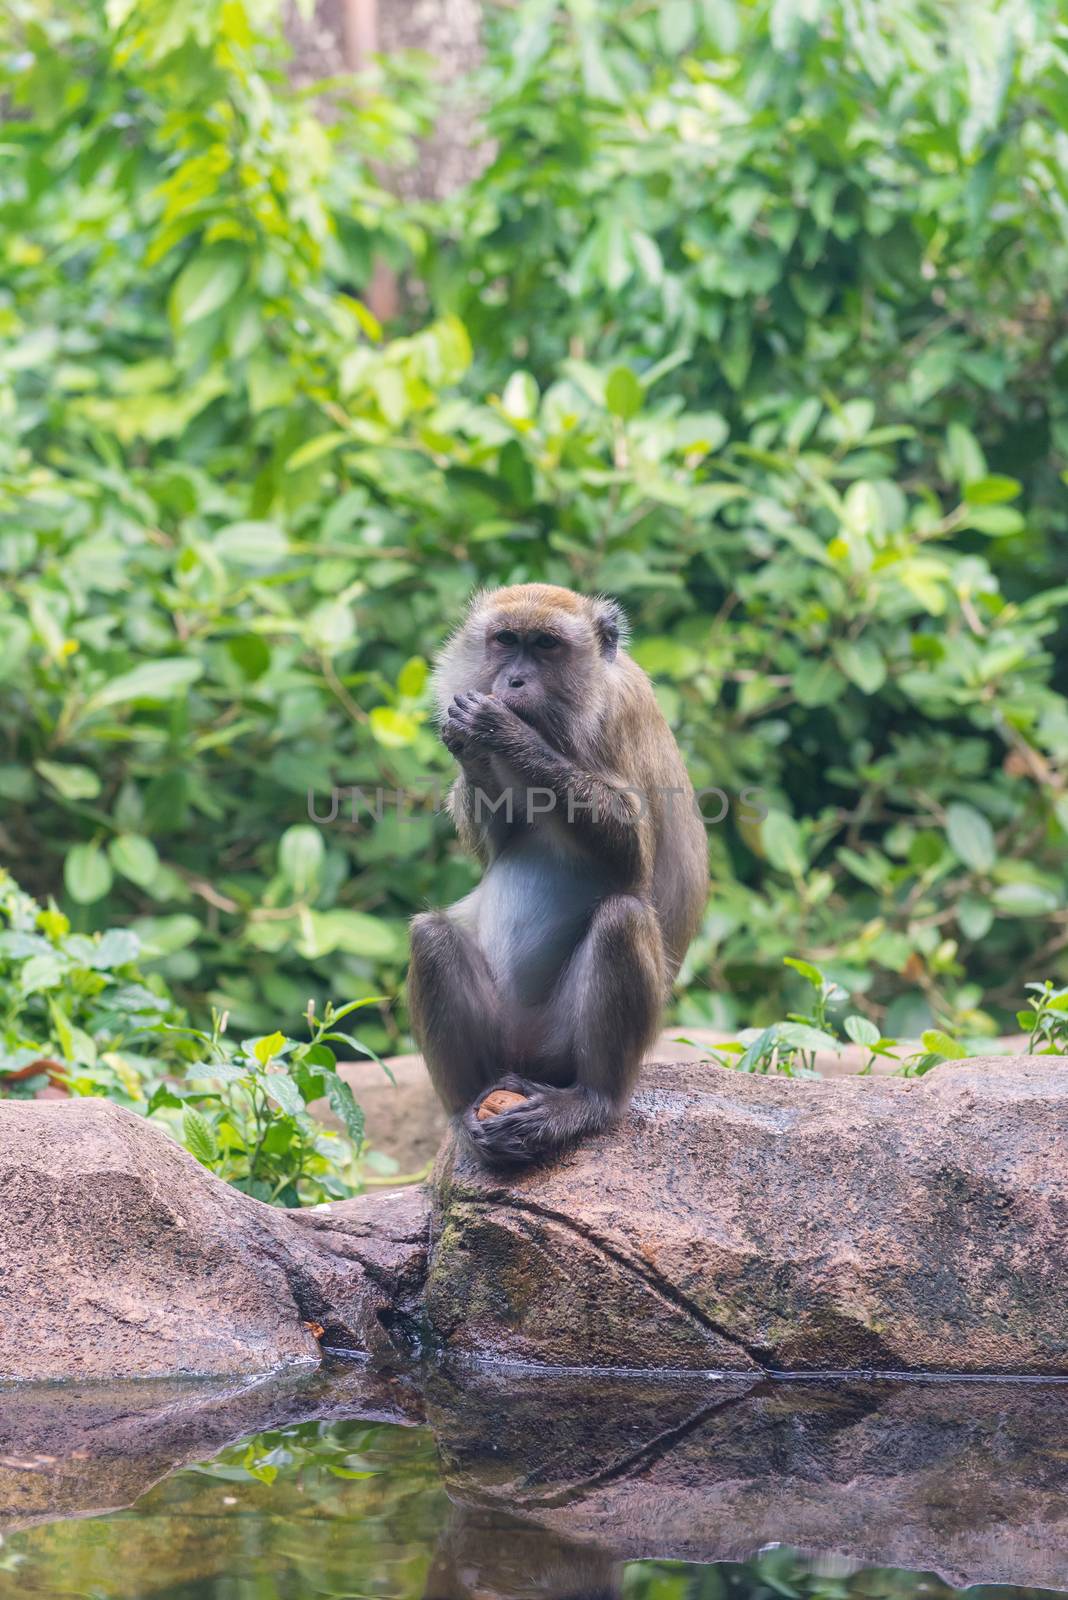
(515, 683)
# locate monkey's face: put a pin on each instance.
(527, 668)
(543, 651)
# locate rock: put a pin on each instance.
(753, 1224)
(120, 1256)
(730, 1224)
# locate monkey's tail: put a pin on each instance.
(553, 1120)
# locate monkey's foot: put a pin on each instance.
(500, 1122)
(498, 1100)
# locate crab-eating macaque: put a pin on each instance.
(548, 980)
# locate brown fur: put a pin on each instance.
(558, 966)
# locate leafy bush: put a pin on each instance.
(75, 1009)
(754, 320)
(77, 1017)
(791, 1046)
(249, 1121)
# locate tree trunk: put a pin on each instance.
(340, 36)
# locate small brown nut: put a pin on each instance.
(500, 1100)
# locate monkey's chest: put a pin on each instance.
(534, 907)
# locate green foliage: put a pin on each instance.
(201, 590)
(790, 1047)
(1046, 1019)
(77, 1014)
(75, 1009)
(754, 320)
(244, 1109)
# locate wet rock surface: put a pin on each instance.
(763, 1224)
(120, 1256)
(730, 1224)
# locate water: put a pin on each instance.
(499, 1486)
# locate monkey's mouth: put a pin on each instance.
(524, 709)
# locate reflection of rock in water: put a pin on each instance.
(72, 1449)
(484, 1555)
(969, 1480)
(555, 1479)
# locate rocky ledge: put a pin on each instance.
(729, 1224)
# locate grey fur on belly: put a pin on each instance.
(531, 912)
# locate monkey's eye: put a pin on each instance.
(506, 636)
(545, 641)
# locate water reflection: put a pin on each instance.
(463, 1486)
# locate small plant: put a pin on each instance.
(77, 1015)
(75, 1009)
(244, 1109)
(1045, 1020)
(790, 1046)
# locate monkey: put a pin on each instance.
(549, 980)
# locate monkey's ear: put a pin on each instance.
(611, 625)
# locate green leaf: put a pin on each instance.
(251, 544)
(250, 653)
(300, 857)
(199, 1137)
(314, 449)
(1024, 900)
(267, 1048)
(675, 25)
(412, 677)
(975, 917)
(72, 782)
(87, 874)
(781, 838)
(803, 1037)
(862, 662)
(812, 974)
(939, 1043)
(344, 1106)
(392, 728)
(135, 858)
(817, 683)
(666, 658)
(153, 680)
(206, 284)
(163, 936)
(970, 836)
(623, 393)
(283, 1091)
(520, 398)
(117, 947)
(357, 1005)
(861, 1030)
(356, 932)
(967, 463)
(998, 522)
(991, 490)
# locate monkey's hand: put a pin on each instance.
(483, 721)
(454, 738)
